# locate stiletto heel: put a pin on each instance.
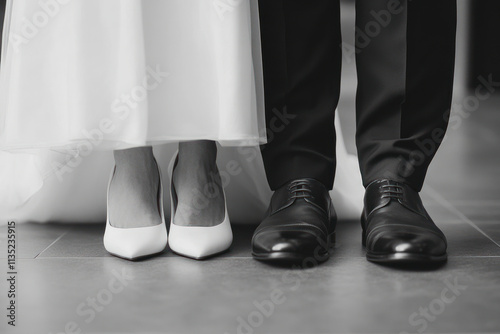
(136, 243)
(197, 242)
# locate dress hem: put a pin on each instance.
(107, 145)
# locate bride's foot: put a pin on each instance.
(198, 185)
(133, 192)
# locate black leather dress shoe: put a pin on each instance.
(396, 227)
(299, 224)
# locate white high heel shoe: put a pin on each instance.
(139, 242)
(197, 242)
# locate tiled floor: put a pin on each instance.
(61, 269)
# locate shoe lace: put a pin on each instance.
(300, 189)
(393, 191)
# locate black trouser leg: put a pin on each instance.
(302, 56)
(405, 64)
(2, 15)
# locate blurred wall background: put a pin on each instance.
(2, 15)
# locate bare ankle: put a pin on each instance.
(198, 152)
(133, 156)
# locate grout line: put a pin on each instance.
(474, 256)
(480, 203)
(52, 243)
(457, 220)
(440, 199)
(332, 258)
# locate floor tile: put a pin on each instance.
(465, 240)
(491, 228)
(478, 211)
(466, 166)
(32, 239)
(86, 241)
(178, 295)
(80, 241)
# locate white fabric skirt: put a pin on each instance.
(82, 77)
(115, 74)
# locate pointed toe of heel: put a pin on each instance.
(198, 242)
(135, 243)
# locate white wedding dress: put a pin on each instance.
(80, 78)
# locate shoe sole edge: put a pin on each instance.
(406, 258)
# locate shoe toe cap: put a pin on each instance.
(287, 241)
(408, 241)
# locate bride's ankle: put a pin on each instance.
(133, 155)
(135, 160)
(199, 153)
